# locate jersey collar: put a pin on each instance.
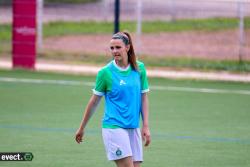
(121, 69)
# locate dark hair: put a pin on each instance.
(131, 53)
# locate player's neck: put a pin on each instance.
(122, 63)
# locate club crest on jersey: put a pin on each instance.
(122, 82)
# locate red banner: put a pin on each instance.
(24, 34)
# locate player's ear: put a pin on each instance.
(127, 47)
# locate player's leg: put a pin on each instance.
(124, 162)
(137, 164)
(136, 146)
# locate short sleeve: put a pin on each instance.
(144, 79)
(100, 84)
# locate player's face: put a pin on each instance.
(119, 50)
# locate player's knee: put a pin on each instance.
(124, 162)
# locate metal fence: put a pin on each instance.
(221, 44)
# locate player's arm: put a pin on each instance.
(90, 109)
(145, 111)
(145, 125)
(98, 92)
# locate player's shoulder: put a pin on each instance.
(139, 63)
(141, 66)
(105, 70)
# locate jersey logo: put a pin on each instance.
(122, 82)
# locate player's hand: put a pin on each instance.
(79, 135)
(146, 137)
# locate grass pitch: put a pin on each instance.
(191, 126)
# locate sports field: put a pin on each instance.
(193, 123)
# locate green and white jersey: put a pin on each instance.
(122, 89)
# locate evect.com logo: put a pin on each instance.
(16, 156)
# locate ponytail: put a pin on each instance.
(131, 53)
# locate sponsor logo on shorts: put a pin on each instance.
(118, 152)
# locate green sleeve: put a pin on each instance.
(144, 79)
(103, 82)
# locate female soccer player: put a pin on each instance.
(123, 83)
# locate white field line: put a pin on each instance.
(83, 69)
(216, 76)
(201, 90)
(41, 81)
(91, 84)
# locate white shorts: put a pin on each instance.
(120, 143)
